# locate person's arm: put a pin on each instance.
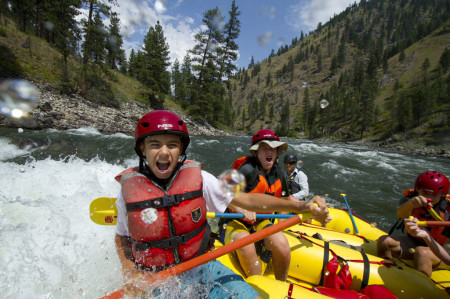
(302, 180)
(404, 210)
(132, 285)
(248, 215)
(442, 252)
(264, 203)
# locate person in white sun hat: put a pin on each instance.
(263, 175)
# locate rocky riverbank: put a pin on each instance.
(62, 112)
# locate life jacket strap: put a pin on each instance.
(164, 201)
(169, 242)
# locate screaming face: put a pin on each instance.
(266, 156)
(162, 152)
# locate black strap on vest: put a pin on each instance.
(206, 241)
(163, 201)
(326, 256)
(169, 242)
(366, 273)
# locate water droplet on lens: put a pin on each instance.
(324, 103)
(49, 26)
(17, 98)
(299, 164)
(20, 130)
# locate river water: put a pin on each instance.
(49, 248)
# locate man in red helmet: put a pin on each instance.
(264, 176)
(162, 208)
(427, 246)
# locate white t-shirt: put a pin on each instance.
(216, 202)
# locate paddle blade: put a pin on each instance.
(103, 211)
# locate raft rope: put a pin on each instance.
(360, 217)
(331, 230)
(291, 289)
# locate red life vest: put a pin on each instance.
(166, 226)
(256, 181)
(442, 209)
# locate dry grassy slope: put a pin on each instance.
(42, 63)
(408, 72)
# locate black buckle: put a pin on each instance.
(168, 200)
(175, 241)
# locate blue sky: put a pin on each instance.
(265, 24)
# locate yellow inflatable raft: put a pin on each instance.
(311, 254)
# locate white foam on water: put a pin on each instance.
(84, 131)
(205, 141)
(49, 248)
(8, 150)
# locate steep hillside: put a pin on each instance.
(364, 62)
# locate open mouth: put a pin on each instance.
(269, 159)
(162, 166)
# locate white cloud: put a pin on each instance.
(180, 38)
(305, 15)
(138, 16)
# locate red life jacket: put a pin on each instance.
(441, 208)
(177, 224)
(256, 181)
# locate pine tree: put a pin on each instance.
(132, 61)
(114, 42)
(444, 60)
(208, 40)
(155, 74)
(186, 93)
(64, 33)
(95, 49)
(89, 30)
(176, 81)
(252, 63)
(229, 50)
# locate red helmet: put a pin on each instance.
(160, 122)
(432, 181)
(264, 134)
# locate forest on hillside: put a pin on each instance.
(366, 63)
(90, 55)
(350, 58)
